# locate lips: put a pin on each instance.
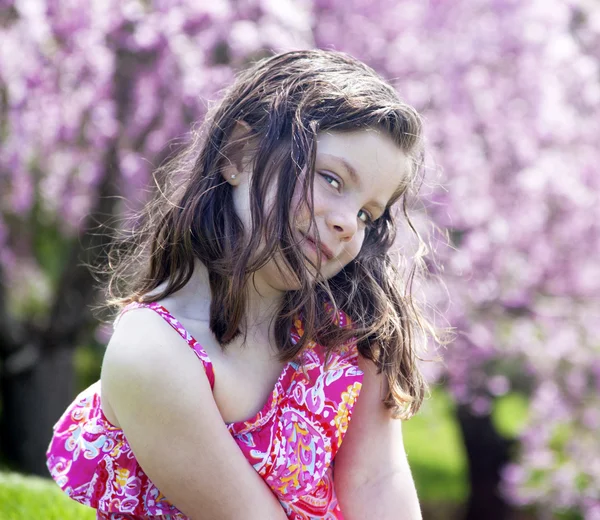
(327, 253)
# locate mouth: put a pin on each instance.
(325, 251)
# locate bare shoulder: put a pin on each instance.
(143, 331)
(142, 358)
(146, 352)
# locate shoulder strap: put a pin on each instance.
(180, 329)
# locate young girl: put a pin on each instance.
(263, 335)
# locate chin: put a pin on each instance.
(285, 279)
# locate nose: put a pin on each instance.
(343, 224)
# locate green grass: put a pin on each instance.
(34, 498)
(435, 451)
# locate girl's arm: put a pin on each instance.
(372, 477)
(162, 400)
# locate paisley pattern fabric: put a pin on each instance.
(291, 442)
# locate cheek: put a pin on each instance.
(349, 253)
(241, 203)
(353, 247)
(323, 198)
(300, 213)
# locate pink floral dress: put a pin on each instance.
(291, 442)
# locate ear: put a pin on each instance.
(236, 152)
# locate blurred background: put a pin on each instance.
(94, 95)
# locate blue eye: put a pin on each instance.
(332, 180)
(365, 217)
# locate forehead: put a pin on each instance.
(378, 162)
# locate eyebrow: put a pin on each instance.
(351, 171)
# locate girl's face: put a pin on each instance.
(356, 175)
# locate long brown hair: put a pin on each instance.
(286, 100)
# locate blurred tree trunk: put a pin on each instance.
(36, 365)
(487, 453)
(33, 400)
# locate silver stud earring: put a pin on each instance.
(233, 176)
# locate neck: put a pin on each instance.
(262, 301)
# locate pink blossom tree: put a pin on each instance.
(93, 99)
(511, 95)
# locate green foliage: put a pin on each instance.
(24, 498)
(51, 248)
(435, 451)
(509, 414)
(87, 360)
(568, 515)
